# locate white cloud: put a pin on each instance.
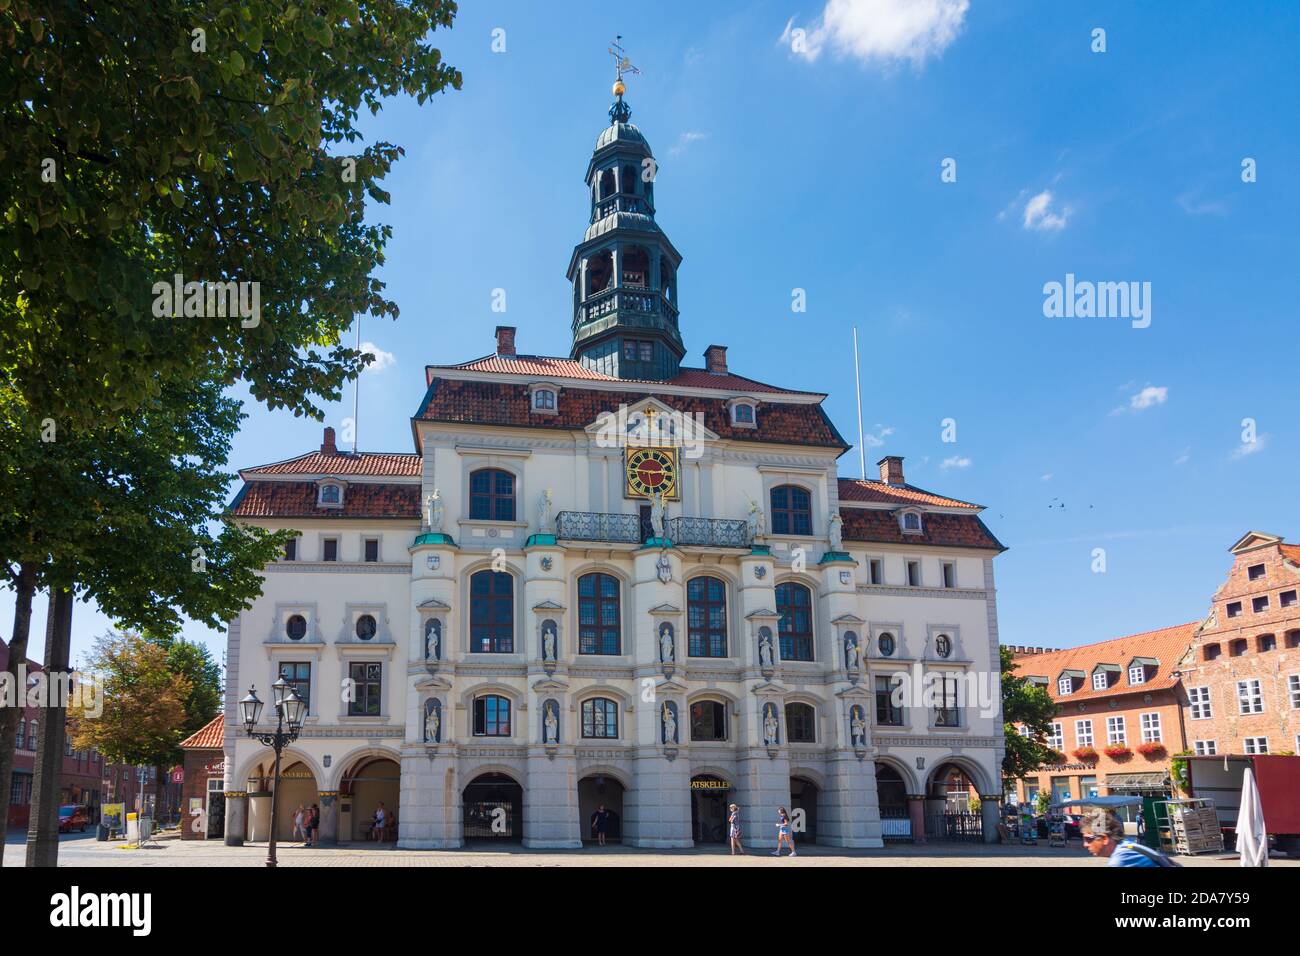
(1040, 216)
(1183, 457)
(1148, 397)
(1047, 477)
(685, 140)
(382, 359)
(1250, 447)
(956, 461)
(878, 439)
(884, 31)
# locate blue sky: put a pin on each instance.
(820, 170)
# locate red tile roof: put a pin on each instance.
(380, 464)
(507, 403)
(1166, 645)
(208, 737)
(546, 366)
(1291, 552)
(940, 530)
(860, 489)
(297, 499)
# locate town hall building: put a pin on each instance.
(612, 579)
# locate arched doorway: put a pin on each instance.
(370, 782)
(891, 795)
(595, 791)
(949, 813)
(803, 797)
(297, 789)
(709, 808)
(494, 808)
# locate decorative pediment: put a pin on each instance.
(1254, 539)
(770, 688)
(433, 604)
(550, 684)
(855, 692)
(763, 614)
(665, 609)
(433, 683)
(547, 606)
(671, 685)
(632, 421)
(849, 619)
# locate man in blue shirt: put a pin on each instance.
(1103, 835)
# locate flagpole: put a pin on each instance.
(857, 381)
(356, 393)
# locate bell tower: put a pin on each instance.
(624, 272)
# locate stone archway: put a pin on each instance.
(493, 808)
(805, 795)
(709, 796)
(370, 782)
(594, 791)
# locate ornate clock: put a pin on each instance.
(651, 470)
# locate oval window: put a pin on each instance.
(887, 645)
(943, 644)
(365, 627)
(296, 627)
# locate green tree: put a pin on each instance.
(193, 662)
(1024, 705)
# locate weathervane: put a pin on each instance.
(620, 112)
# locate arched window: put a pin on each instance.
(801, 723)
(492, 495)
(630, 179)
(599, 718)
(598, 626)
(607, 183)
(491, 613)
(911, 521)
(491, 716)
(794, 604)
(791, 510)
(331, 495)
(706, 611)
(636, 268)
(599, 269)
(708, 720)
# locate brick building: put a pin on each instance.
(1241, 674)
(202, 792)
(1118, 699)
(81, 780)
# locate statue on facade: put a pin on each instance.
(552, 726)
(431, 723)
(544, 525)
(837, 532)
(666, 643)
(755, 519)
(432, 628)
(859, 728)
(769, 725)
(851, 655)
(433, 511)
(657, 514)
(670, 725)
(548, 643)
(765, 648)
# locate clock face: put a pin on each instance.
(651, 470)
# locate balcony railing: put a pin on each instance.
(628, 302)
(590, 526)
(631, 529)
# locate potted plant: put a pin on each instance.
(1151, 749)
(1086, 754)
(1118, 751)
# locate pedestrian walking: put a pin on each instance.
(783, 836)
(733, 830)
(300, 824)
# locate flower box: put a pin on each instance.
(1118, 752)
(1152, 749)
(1086, 755)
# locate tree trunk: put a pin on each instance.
(43, 827)
(24, 588)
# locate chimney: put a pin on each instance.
(506, 341)
(891, 470)
(715, 359)
(327, 447)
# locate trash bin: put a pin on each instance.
(101, 833)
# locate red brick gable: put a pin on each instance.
(940, 530)
(507, 404)
(297, 499)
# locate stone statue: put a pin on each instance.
(431, 724)
(433, 511)
(837, 532)
(666, 644)
(670, 725)
(756, 524)
(431, 640)
(544, 525)
(859, 729)
(548, 644)
(552, 726)
(657, 514)
(765, 649)
(769, 726)
(851, 653)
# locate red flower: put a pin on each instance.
(1151, 749)
(1086, 755)
(1118, 751)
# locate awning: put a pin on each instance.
(1129, 782)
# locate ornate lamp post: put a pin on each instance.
(290, 709)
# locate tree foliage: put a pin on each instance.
(1029, 706)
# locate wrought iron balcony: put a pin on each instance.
(708, 532)
(591, 526)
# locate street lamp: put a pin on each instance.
(290, 710)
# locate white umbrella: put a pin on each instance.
(1252, 838)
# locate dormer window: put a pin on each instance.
(544, 398)
(910, 521)
(1065, 685)
(744, 412)
(1137, 675)
(1068, 682)
(330, 495)
(1100, 681)
(1106, 676)
(1140, 669)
